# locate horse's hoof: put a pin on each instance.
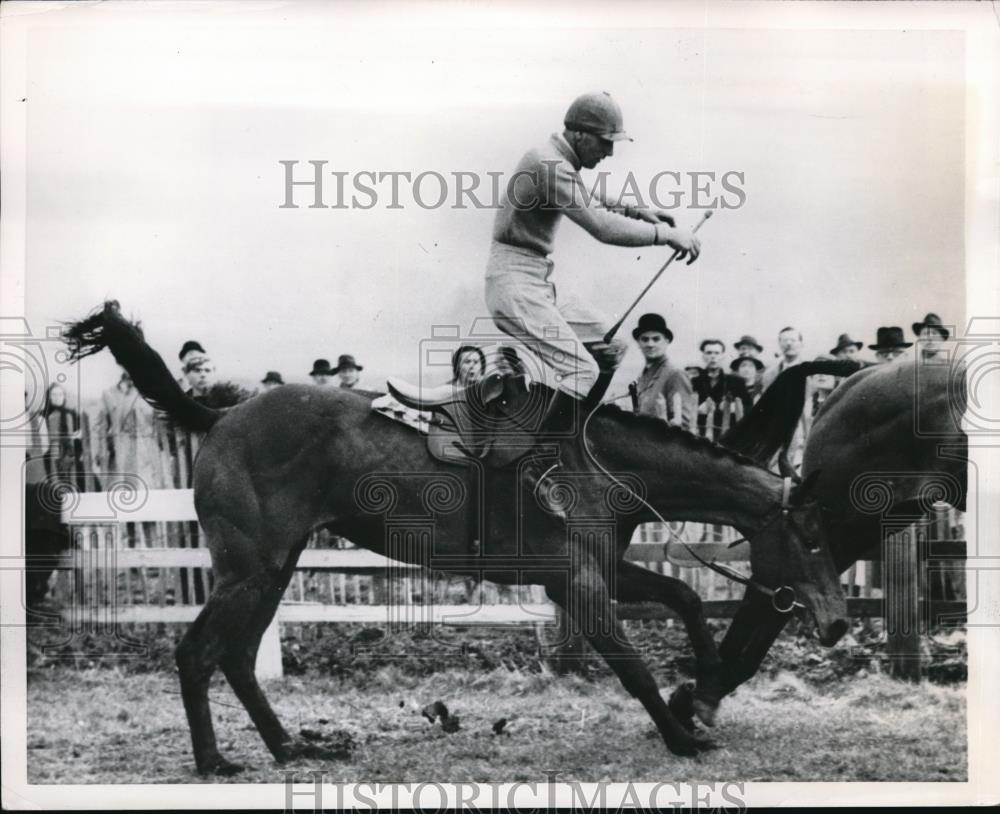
(221, 768)
(705, 744)
(705, 710)
(681, 705)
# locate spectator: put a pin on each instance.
(692, 371)
(790, 342)
(192, 346)
(126, 425)
(749, 369)
(820, 386)
(348, 371)
(846, 348)
(719, 393)
(467, 365)
(748, 346)
(63, 424)
(932, 335)
(36, 453)
(200, 374)
(322, 374)
(508, 363)
(661, 390)
(272, 379)
(889, 344)
(189, 349)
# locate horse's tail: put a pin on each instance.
(107, 328)
(770, 425)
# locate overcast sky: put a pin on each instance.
(154, 178)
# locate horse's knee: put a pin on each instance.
(687, 603)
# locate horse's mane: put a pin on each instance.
(666, 432)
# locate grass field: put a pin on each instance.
(104, 726)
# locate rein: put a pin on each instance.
(783, 599)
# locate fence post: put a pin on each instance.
(901, 599)
(269, 655)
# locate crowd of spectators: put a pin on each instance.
(723, 398)
(704, 397)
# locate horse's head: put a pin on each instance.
(791, 552)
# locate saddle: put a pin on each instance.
(483, 422)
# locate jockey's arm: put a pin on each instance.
(564, 188)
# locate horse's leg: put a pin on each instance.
(587, 600)
(197, 656)
(260, 597)
(753, 630)
(634, 583)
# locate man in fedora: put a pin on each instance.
(746, 345)
(347, 370)
(662, 390)
(932, 335)
(568, 335)
(889, 344)
(272, 379)
(322, 374)
(846, 348)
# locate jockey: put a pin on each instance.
(519, 292)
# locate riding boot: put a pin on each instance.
(561, 421)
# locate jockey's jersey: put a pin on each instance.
(547, 185)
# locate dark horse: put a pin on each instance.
(274, 468)
(889, 442)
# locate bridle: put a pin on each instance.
(783, 599)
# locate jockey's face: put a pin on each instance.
(591, 149)
(653, 345)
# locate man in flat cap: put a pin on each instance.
(933, 336)
(348, 371)
(662, 390)
(889, 344)
(545, 186)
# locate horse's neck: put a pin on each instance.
(689, 480)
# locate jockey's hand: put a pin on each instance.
(683, 241)
(657, 216)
